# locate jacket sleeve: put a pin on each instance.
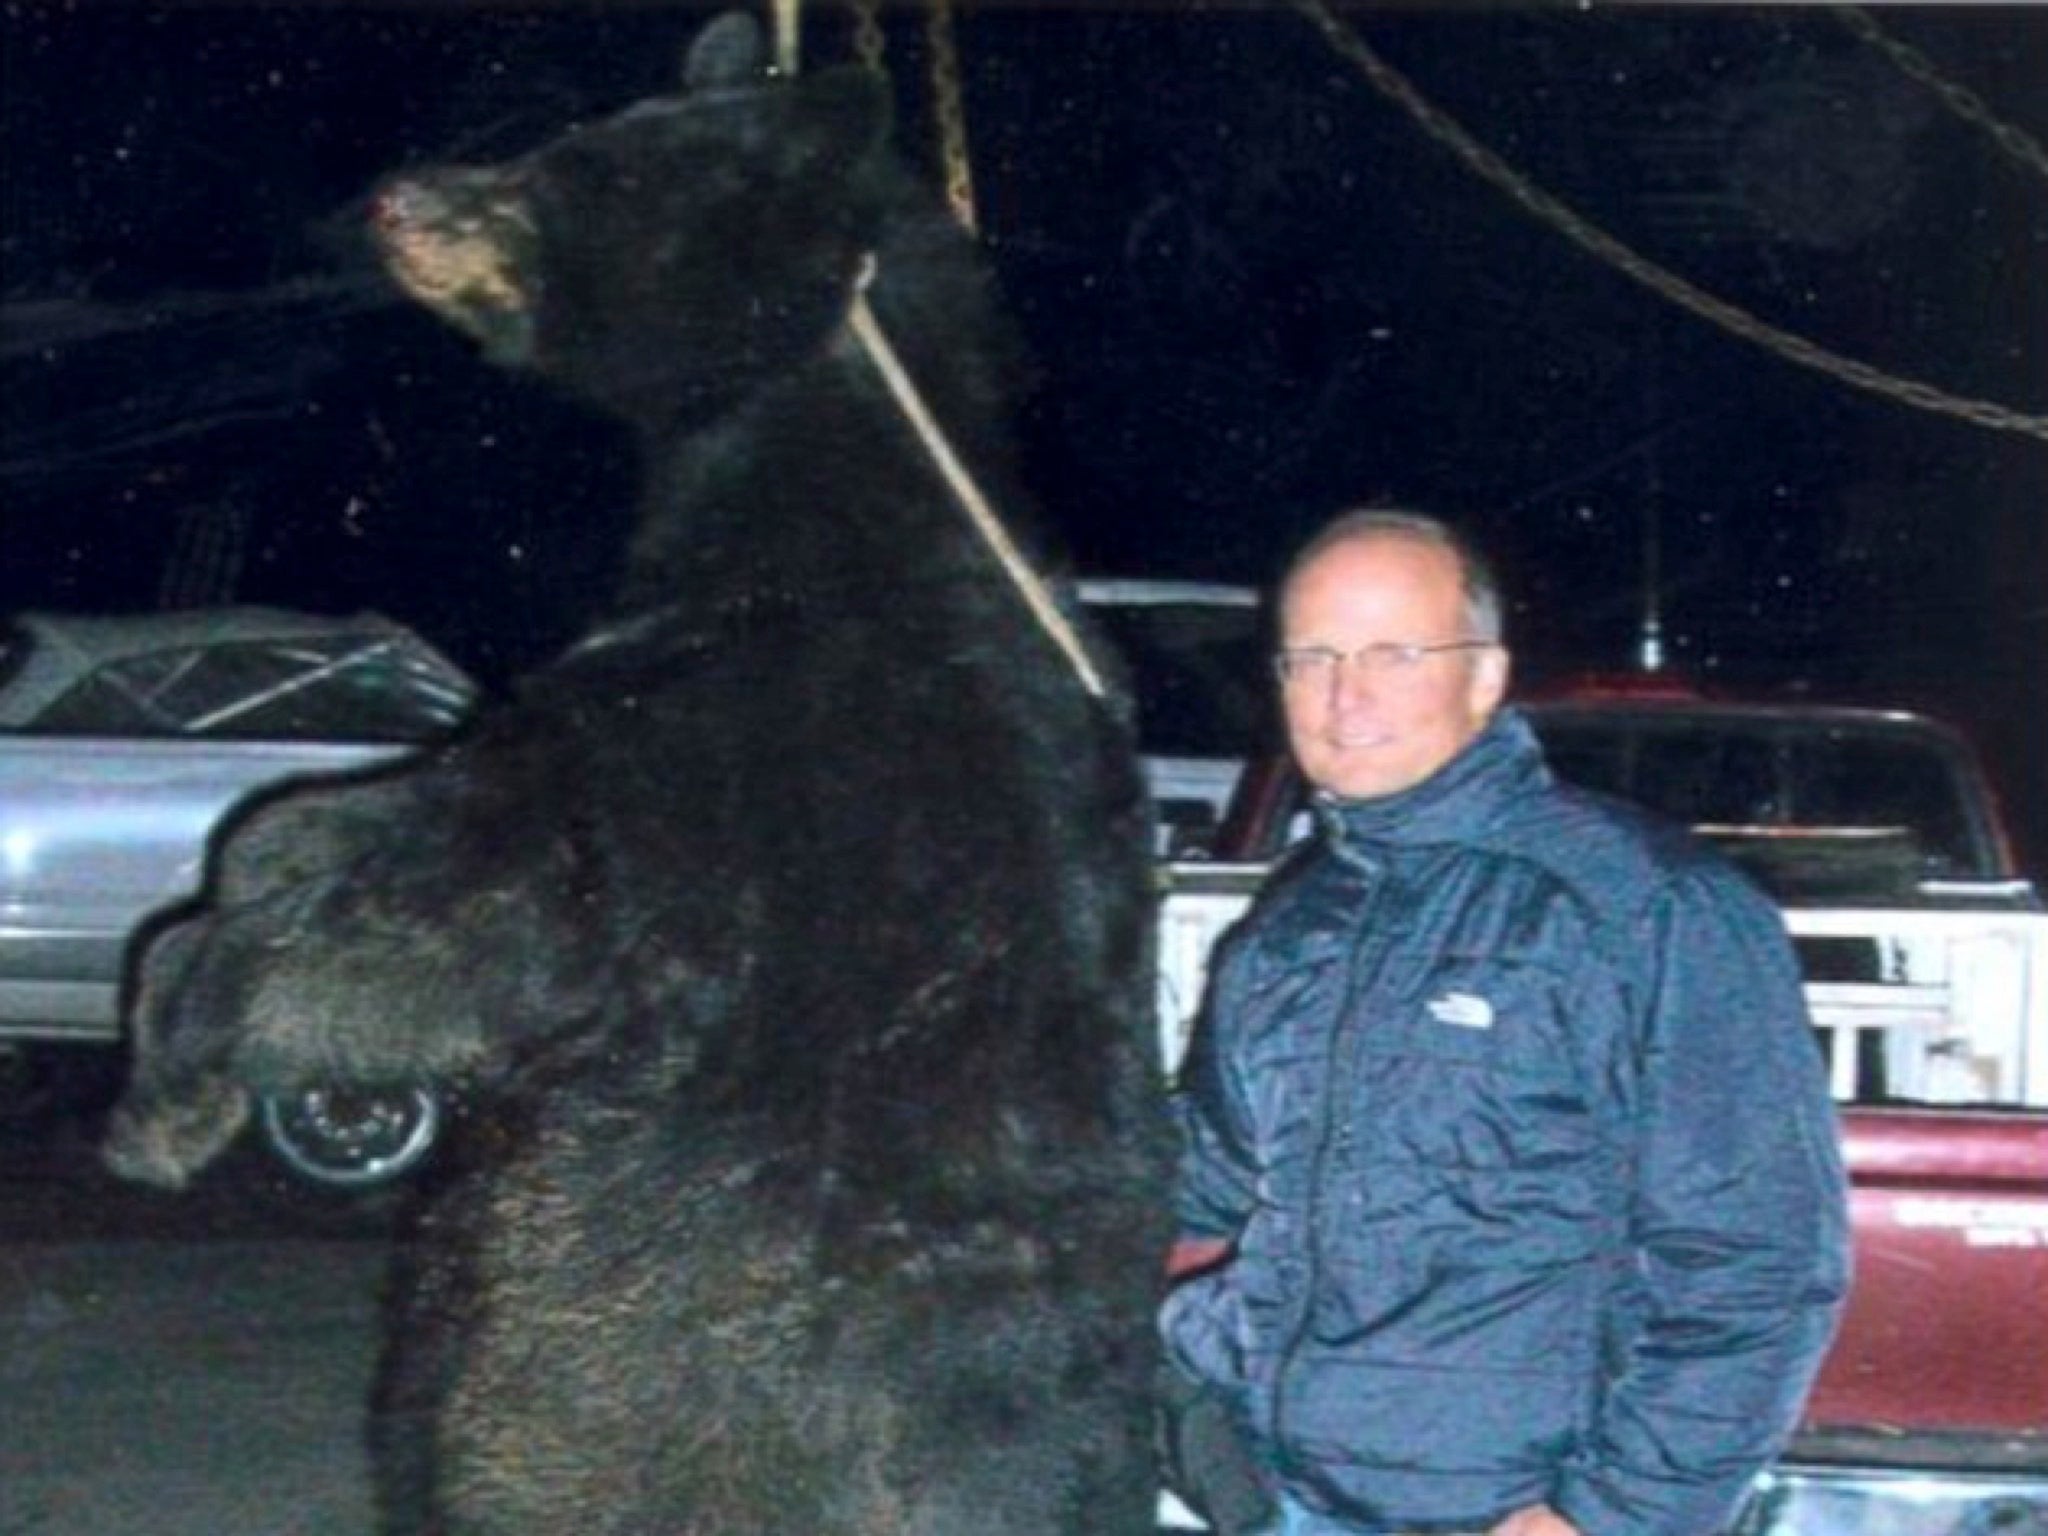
(1218, 1168)
(1739, 1223)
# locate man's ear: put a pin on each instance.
(1491, 677)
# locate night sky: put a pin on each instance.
(1254, 288)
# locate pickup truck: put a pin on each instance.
(1193, 650)
(1926, 964)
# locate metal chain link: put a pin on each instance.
(1484, 163)
(869, 46)
(1960, 99)
(949, 104)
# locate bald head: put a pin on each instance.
(1389, 656)
(1477, 581)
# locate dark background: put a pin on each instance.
(1255, 289)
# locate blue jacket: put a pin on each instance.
(1508, 1099)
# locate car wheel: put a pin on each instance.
(351, 1138)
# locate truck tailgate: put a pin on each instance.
(1947, 1326)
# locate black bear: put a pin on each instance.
(789, 934)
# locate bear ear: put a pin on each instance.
(727, 53)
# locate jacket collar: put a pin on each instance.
(1454, 804)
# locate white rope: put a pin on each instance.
(1028, 582)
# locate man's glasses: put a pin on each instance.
(1308, 665)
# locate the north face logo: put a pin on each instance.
(1463, 1009)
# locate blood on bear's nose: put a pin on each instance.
(397, 205)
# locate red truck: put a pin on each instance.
(1926, 963)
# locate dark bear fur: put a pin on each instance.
(789, 935)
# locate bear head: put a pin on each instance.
(662, 261)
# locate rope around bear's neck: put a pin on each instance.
(1030, 585)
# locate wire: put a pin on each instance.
(1491, 168)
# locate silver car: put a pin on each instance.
(123, 741)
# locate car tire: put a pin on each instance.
(346, 1138)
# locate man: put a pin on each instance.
(1505, 1121)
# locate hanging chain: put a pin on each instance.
(1959, 99)
(869, 45)
(1489, 167)
(949, 104)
